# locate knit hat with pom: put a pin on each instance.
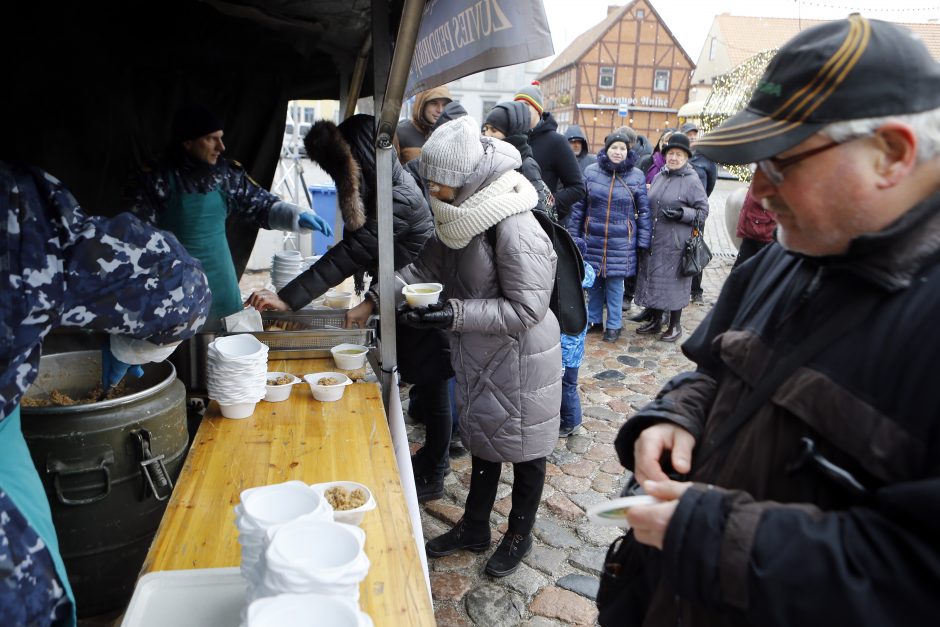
(531, 94)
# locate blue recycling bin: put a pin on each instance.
(323, 199)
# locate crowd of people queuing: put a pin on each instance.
(825, 497)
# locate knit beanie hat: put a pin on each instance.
(452, 152)
(616, 137)
(498, 118)
(531, 94)
(629, 133)
(194, 122)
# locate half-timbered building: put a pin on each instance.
(628, 70)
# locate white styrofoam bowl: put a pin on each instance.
(338, 299)
(277, 393)
(349, 361)
(422, 294)
(348, 516)
(327, 393)
(237, 410)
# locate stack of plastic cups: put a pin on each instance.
(264, 509)
(315, 556)
(236, 373)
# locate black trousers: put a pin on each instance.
(433, 399)
(527, 484)
(696, 284)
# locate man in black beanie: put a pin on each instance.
(194, 189)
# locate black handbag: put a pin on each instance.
(695, 255)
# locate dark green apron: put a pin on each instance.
(19, 478)
(198, 221)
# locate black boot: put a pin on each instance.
(462, 536)
(611, 335)
(505, 560)
(429, 488)
(595, 327)
(654, 325)
(643, 316)
(674, 332)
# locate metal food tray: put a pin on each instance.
(310, 333)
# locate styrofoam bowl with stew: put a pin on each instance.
(341, 495)
(327, 386)
(279, 385)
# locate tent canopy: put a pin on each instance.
(92, 86)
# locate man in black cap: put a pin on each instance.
(195, 188)
(807, 438)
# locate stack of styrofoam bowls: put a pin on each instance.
(318, 556)
(264, 508)
(285, 265)
(236, 373)
(301, 610)
(309, 261)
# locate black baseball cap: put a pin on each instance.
(842, 70)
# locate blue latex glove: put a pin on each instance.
(312, 221)
(113, 369)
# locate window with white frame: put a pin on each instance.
(606, 80)
(661, 80)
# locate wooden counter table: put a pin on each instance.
(313, 442)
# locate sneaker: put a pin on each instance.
(460, 537)
(457, 449)
(429, 489)
(509, 554)
(564, 432)
(611, 335)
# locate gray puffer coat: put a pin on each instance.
(658, 282)
(505, 344)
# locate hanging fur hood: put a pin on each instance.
(328, 147)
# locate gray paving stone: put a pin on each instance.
(581, 584)
(609, 375)
(546, 559)
(494, 606)
(598, 535)
(587, 498)
(601, 412)
(589, 559)
(579, 444)
(526, 581)
(627, 360)
(541, 621)
(553, 534)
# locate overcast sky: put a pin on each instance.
(689, 20)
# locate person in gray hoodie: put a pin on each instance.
(505, 341)
(579, 146)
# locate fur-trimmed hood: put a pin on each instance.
(327, 146)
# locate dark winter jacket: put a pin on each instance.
(411, 134)
(585, 156)
(614, 219)
(517, 114)
(707, 171)
(347, 152)
(559, 166)
(658, 282)
(772, 545)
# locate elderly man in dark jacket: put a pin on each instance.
(807, 438)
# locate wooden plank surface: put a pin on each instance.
(310, 441)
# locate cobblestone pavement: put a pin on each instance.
(557, 581)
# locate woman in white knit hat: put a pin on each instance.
(504, 338)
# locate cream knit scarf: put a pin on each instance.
(508, 195)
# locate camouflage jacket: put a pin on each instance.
(242, 194)
(59, 266)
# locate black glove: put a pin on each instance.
(673, 213)
(436, 316)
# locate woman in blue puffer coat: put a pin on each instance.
(614, 220)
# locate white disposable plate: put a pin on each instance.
(187, 598)
(614, 513)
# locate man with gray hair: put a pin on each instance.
(797, 465)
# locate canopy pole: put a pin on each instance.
(358, 75)
(389, 84)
